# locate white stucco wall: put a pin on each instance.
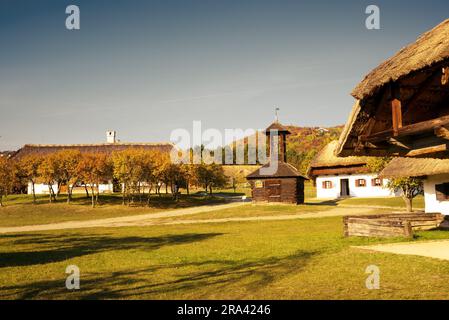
(432, 205)
(361, 192)
(40, 188)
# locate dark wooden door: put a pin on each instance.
(344, 187)
(273, 190)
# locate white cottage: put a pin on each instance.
(435, 174)
(337, 177)
(111, 145)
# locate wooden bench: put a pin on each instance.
(390, 225)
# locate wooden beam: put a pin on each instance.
(445, 76)
(442, 132)
(423, 87)
(399, 142)
(427, 150)
(416, 128)
(396, 110)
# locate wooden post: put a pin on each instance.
(396, 115)
(408, 231)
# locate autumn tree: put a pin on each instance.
(6, 178)
(161, 162)
(125, 171)
(29, 170)
(409, 187)
(69, 164)
(210, 176)
(94, 169)
(49, 172)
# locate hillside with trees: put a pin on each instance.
(305, 142)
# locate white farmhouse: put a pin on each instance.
(111, 145)
(337, 177)
(434, 172)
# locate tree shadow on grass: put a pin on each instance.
(333, 202)
(59, 248)
(217, 276)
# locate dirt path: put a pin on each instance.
(434, 249)
(321, 214)
(119, 221)
(162, 218)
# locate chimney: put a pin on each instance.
(111, 136)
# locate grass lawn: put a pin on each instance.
(310, 196)
(396, 202)
(251, 210)
(299, 259)
(20, 211)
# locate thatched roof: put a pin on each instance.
(430, 48)
(108, 148)
(415, 167)
(413, 75)
(327, 158)
(284, 170)
(326, 162)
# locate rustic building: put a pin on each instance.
(111, 146)
(402, 106)
(337, 177)
(402, 109)
(435, 173)
(285, 184)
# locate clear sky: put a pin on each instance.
(144, 68)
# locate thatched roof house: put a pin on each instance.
(435, 175)
(327, 163)
(336, 177)
(402, 105)
(108, 148)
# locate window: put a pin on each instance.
(442, 191)
(258, 184)
(327, 184)
(360, 183)
(376, 182)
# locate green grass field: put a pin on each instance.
(20, 211)
(300, 259)
(295, 259)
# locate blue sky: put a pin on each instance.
(144, 68)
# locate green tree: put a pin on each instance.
(409, 187)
